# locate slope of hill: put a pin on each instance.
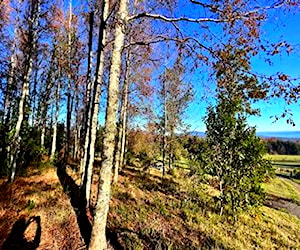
(146, 213)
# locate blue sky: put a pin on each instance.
(279, 27)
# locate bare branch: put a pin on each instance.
(159, 39)
(213, 8)
(176, 19)
(276, 5)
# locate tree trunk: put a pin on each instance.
(119, 152)
(7, 102)
(46, 97)
(89, 69)
(15, 142)
(77, 126)
(34, 94)
(43, 132)
(69, 105)
(98, 237)
(94, 109)
(87, 111)
(164, 130)
(54, 136)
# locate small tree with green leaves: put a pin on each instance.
(235, 153)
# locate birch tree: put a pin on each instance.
(92, 120)
(175, 96)
(31, 47)
(122, 129)
(69, 94)
(98, 236)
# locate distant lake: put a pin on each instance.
(280, 134)
(276, 134)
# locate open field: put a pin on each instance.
(284, 158)
(286, 166)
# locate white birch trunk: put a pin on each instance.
(15, 144)
(164, 130)
(98, 236)
(7, 101)
(89, 98)
(94, 108)
(43, 135)
(54, 136)
(122, 126)
(69, 105)
(88, 76)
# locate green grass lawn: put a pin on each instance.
(284, 158)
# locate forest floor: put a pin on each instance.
(44, 210)
(35, 211)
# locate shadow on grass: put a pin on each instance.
(291, 165)
(79, 203)
(16, 238)
(288, 176)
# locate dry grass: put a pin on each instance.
(38, 196)
(146, 212)
(283, 188)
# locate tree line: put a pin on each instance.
(282, 147)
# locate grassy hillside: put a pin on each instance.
(147, 213)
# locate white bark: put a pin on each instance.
(15, 144)
(44, 103)
(89, 100)
(94, 108)
(98, 236)
(7, 101)
(69, 105)
(120, 147)
(87, 112)
(43, 136)
(124, 129)
(54, 136)
(88, 76)
(164, 130)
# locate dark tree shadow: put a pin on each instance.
(287, 165)
(16, 239)
(79, 203)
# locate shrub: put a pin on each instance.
(235, 153)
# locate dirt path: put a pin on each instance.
(284, 204)
(289, 205)
(36, 213)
